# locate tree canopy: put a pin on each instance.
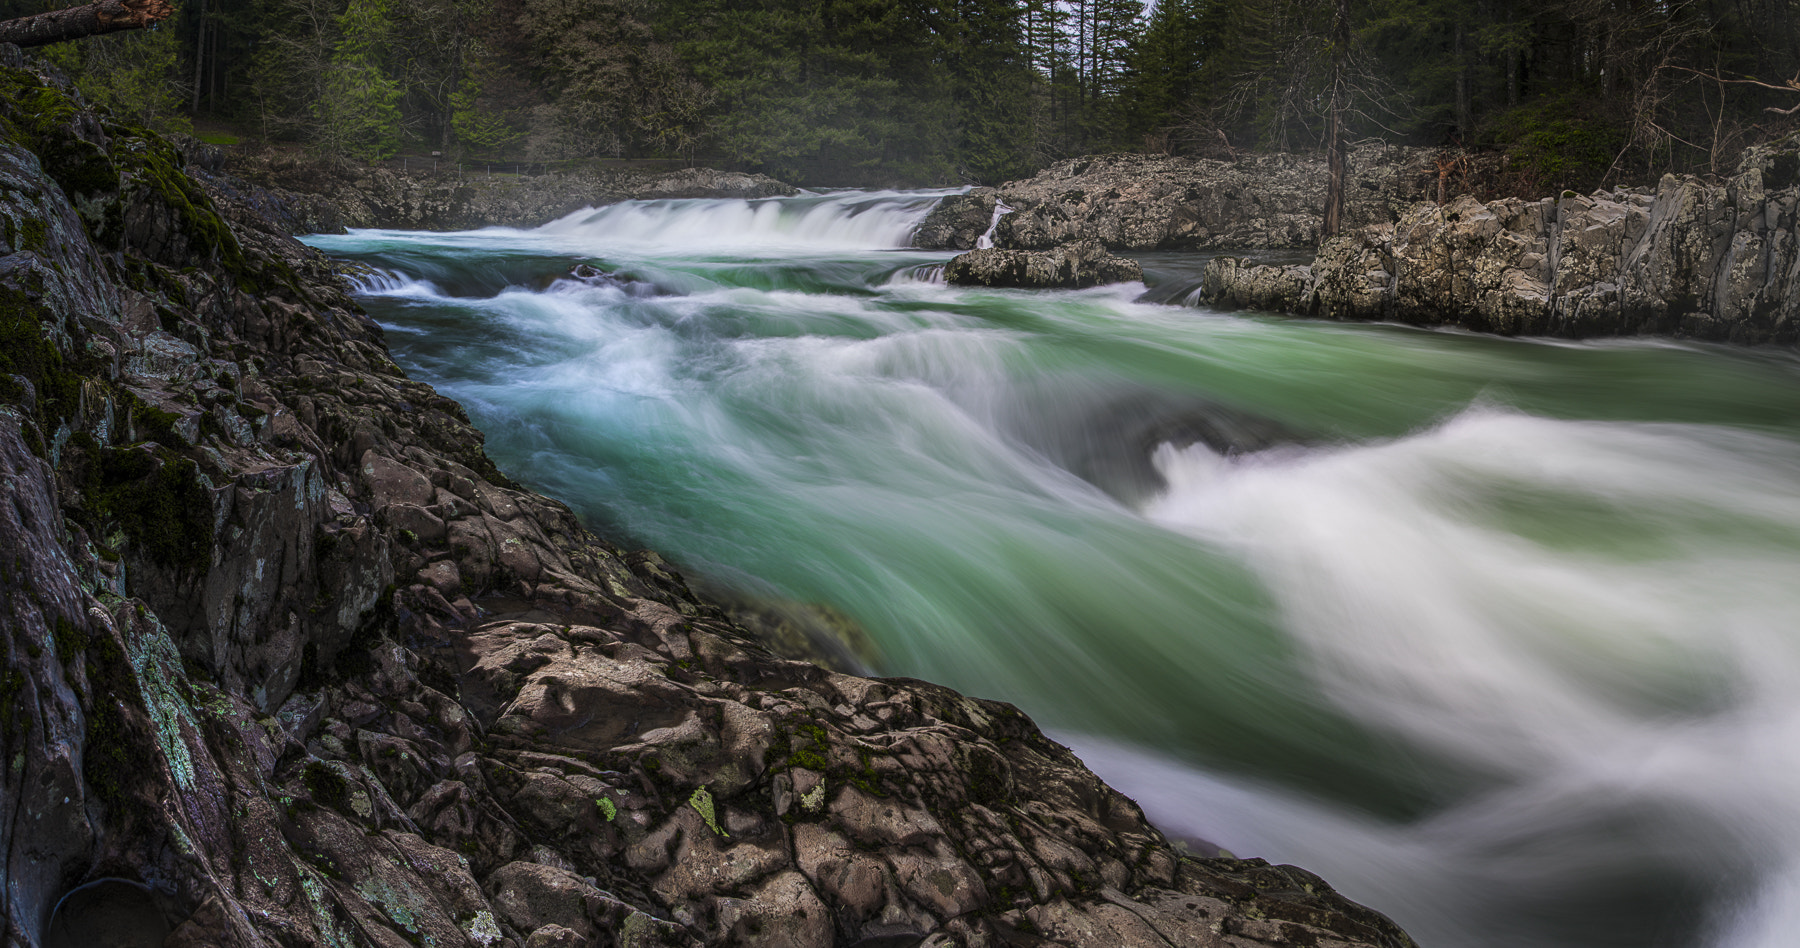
(957, 91)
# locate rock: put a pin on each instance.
(1071, 266)
(1239, 283)
(288, 660)
(1150, 202)
(958, 221)
(1688, 259)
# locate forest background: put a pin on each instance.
(877, 92)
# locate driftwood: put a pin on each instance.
(102, 16)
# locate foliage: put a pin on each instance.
(132, 74)
(359, 112)
(1556, 144)
(955, 91)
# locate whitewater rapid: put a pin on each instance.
(1497, 635)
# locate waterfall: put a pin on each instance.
(986, 240)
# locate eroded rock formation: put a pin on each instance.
(1687, 258)
(285, 660)
(958, 221)
(1158, 202)
(1071, 266)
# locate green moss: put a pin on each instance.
(69, 640)
(156, 498)
(608, 809)
(27, 350)
(326, 785)
(153, 164)
(27, 234)
(324, 543)
(354, 659)
(11, 684)
(43, 118)
(810, 753)
(989, 782)
(117, 756)
(152, 422)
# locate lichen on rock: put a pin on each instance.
(1686, 258)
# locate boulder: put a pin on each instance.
(1151, 202)
(1687, 258)
(958, 221)
(1071, 266)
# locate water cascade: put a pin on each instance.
(1497, 635)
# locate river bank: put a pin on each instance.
(290, 660)
(1687, 258)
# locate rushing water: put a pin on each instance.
(1501, 636)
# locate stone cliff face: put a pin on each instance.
(1687, 258)
(1158, 202)
(285, 660)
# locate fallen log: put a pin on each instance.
(102, 16)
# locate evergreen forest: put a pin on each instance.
(961, 91)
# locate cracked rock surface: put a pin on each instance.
(286, 661)
(1686, 258)
(1160, 202)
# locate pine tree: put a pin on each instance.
(359, 112)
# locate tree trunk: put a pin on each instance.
(1462, 86)
(103, 16)
(1334, 145)
(199, 57)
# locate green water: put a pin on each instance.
(1498, 635)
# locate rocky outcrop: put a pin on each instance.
(1152, 202)
(958, 221)
(1687, 258)
(1072, 266)
(309, 196)
(285, 660)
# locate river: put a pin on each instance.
(1500, 636)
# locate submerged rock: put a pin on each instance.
(1071, 266)
(1688, 258)
(287, 660)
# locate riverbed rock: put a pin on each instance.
(1687, 258)
(1071, 266)
(286, 660)
(1152, 202)
(958, 221)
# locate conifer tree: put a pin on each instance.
(359, 111)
